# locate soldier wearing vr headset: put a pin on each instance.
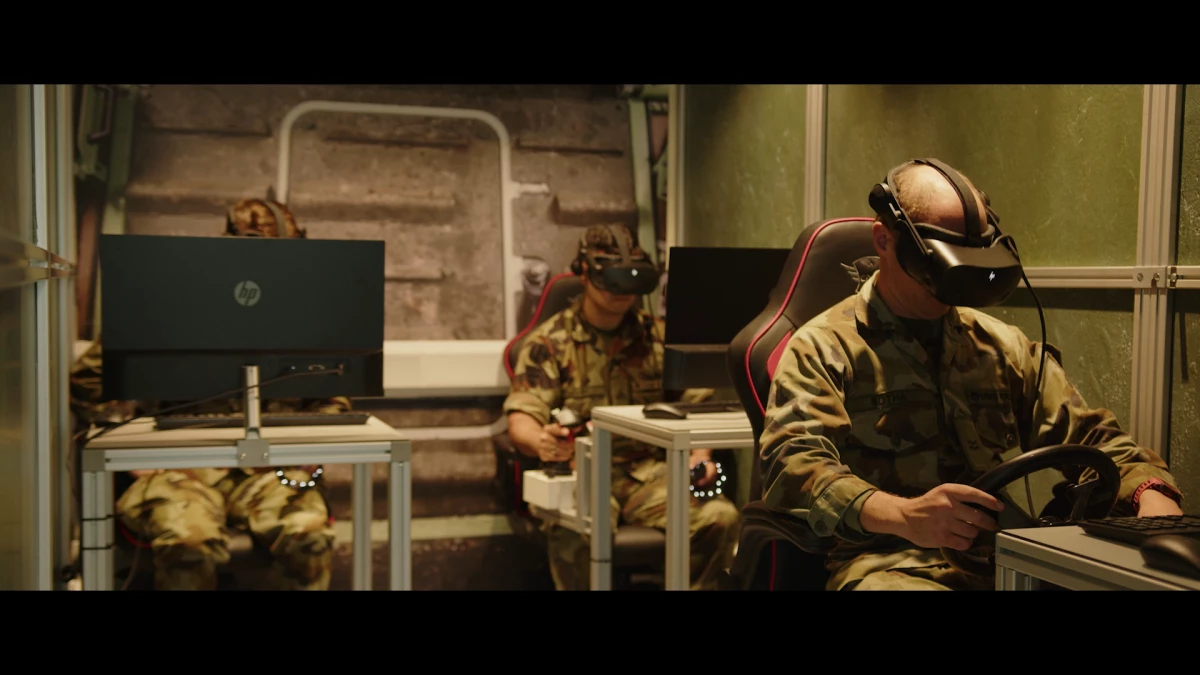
(886, 406)
(605, 350)
(182, 515)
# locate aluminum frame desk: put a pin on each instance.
(138, 445)
(1068, 557)
(719, 431)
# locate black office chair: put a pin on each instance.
(775, 551)
(637, 551)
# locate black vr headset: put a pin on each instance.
(978, 269)
(619, 275)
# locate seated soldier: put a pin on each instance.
(603, 350)
(886, 407)
(183, 514)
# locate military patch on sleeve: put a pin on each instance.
(860, 270)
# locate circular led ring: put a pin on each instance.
(713, 490)
(311, 482)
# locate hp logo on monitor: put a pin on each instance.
(247, 293)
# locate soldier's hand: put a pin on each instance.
(552, 445)
(946, 517)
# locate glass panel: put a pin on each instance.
(1184, 457)
(1059, 162)
(16, 162)
(744, 165)
(1089, 327)
(1188, 252)
(16, 437)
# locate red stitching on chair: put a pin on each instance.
(130, 538)
(774, 548)
(532, 322)
(786, 300)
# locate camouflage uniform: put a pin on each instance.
(184, 514)
(863, 401)
(565, 362)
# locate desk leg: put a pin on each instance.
(601, 534)
(1008, 579)
(678, 572)
(361, 517)
(400, 526)
(96, 540)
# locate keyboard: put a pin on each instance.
(1136, 530)
(280, 419)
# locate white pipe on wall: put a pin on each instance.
(508, 189)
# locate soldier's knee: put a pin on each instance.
(721, 514)
(190, 552)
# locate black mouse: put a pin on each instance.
(663, 411)
(1173, 553)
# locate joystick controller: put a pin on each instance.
(576, 426)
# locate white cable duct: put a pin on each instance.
(509, 190)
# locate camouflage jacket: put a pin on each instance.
(86, 400)
(566, 362)
(857, 405)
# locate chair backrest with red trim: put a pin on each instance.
(818, 274)
(560, 291)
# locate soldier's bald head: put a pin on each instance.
(929, 197)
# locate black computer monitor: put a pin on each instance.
(712, 294)
(182, 316)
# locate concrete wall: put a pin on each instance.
(428, 187)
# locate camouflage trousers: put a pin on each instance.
(187, 521)
(904, 571)
(642, 501)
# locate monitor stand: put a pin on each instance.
(253, 449)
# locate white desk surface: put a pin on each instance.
(1071, 549)
(141, 434)
(698, 430)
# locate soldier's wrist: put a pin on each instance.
(882, 513)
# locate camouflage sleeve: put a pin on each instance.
(805, 424)
(85, 384)
(1062, 417)
(338, 404)
(536, 386)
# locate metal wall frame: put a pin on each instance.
(35, 264)
(1152, 278)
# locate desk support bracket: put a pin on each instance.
(253, 450)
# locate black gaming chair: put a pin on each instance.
(776, 552)
(636, 550)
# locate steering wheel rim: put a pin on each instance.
(1100, 502)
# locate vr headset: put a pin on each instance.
(619, 275)
(976, 269)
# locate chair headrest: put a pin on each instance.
(827, 263)
(560, 291)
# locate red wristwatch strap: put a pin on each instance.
(1158, 485)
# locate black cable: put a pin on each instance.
(1037, 388)
(225, 394)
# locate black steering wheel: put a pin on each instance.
(1093, 499)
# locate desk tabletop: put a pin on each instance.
(699, 430)
(141, 434)
(1071, 547)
